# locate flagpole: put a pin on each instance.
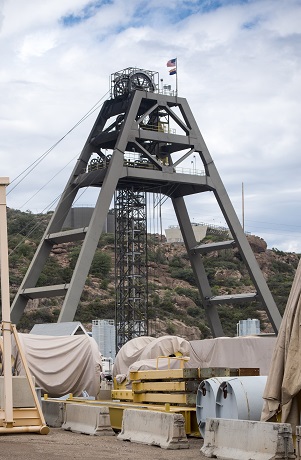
(243, 205)
(176, 76)
(174, 64)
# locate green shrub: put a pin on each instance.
(106, 239)
(185, 274)
(170, 328)
(193, 311)
(192, 294)
(177, 262)
(53, 273)
(157, 255)
(101, 265)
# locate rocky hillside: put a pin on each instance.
(174, 303)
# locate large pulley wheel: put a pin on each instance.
(136, 81)
(121, 86)
(141, 81)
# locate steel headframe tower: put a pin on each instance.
(138, 141)
(130, 265)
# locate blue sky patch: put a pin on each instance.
(210, 5)
(87, 12)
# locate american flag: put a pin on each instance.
(172, 62)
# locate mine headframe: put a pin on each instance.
(140, 141)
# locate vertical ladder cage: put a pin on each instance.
(131, 274)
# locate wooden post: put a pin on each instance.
(13, 420)
(5, 301)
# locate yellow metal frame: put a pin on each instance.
(166, 374)
(161, 398)
(116, 409)
(125, 395)
(142, 387)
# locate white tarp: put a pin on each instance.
(61, 365)
(144, 348)
(232, 352)
(129, 353)
(282, 391)
(166, 345)
(153, 364)
(142, 353)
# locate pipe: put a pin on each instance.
(42, 429)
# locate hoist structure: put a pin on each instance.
(140, 140)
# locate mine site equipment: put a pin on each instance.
(241, 398)
(140, 140)
(206, 400)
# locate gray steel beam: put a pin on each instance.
(235, 227)
(45, 291)
(99, 215)
(197, 266)
(67, 236)
(196, 183)
(233, 298)
(55, 225)
(93, 234)
(30, 280)
(178, 139)
(205, 248)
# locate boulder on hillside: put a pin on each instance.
(257, 244)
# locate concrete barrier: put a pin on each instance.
(162, 429)
(87, 419)
(53, 412)
(245, 440)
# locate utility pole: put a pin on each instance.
(5, 301)
(14, 419)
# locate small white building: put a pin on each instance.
(174, 234)
(103, 332)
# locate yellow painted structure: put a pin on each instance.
(170, 390)
(173, 386)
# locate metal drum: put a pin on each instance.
(240, 398)
(206, 400)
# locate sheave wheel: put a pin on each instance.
(141, 81)
(121, 86)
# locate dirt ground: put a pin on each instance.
(60, 444)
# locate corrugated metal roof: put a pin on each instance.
(57, 329)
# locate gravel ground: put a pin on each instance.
(64, 445)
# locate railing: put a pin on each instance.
(191, 171)
(131, 162)
(167, 92)
(160, 127)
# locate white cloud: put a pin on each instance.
(239, 67)
(36, 45)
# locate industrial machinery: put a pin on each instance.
(138, 144)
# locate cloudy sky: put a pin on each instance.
(239, 66)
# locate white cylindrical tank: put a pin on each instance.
(249, 327)
(206, 400)
(240, 398)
